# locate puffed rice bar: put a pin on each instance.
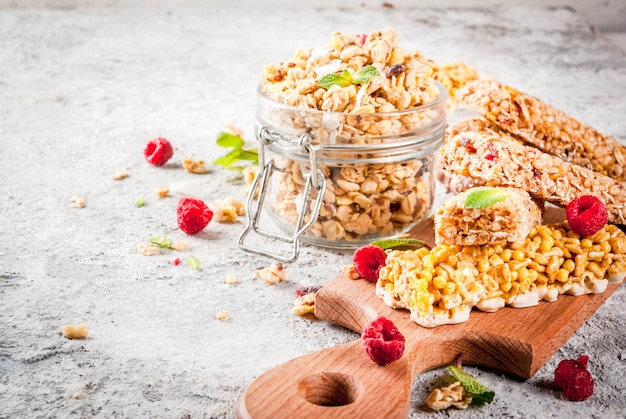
(509, 220)
(442, 285)
(546, 127)
(495, 161)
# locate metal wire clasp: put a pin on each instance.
(314, 181)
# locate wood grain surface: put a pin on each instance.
(343, 382)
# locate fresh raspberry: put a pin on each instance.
(586, 215)
(382, 341)
(158, 151)
(192, 215)
(574, 379)
(368, 260)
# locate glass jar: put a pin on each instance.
(342, 180)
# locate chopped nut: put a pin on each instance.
(162, 192)
(148, 249)
(453, 395)
(222, 316)
(234, 130)
(194, 166)
(122, 174)
(180, 246)
(227, 210)
(272, 274)
(75, 331)
(350, 272)
(304, 304)
(231, 279)
(77, 202)
(249, 173)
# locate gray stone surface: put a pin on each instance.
(82, 91)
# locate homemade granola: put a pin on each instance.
(399, 102)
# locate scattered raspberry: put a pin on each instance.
(382, 341)
(193, 215)
(586, 215)
(574, 379)
(302, 291)
(368, 260)
(175, 261)
(158, 151)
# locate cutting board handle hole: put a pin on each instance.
(330, 389)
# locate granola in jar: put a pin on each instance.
(374, 116)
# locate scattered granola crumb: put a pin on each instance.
(227, 210)
(453, 395)
(162, 192)
(180, 246)
(231, 279)
(194, 166)
(350, 272)
(78, 396)
(249, 172)
(122, 174)
(222, 316)
(75, 331)
(304, 304)
(234, 130)
(77, 202)
(272, 274)
(147, 249)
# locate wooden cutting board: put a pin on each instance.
(343, 382)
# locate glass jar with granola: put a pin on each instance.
(347, 141)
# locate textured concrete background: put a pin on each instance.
(82, 91)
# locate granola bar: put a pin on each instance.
(457, 183)
(509, 220)
(496, 161)
(546, 127)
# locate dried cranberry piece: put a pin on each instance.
(394, 70)
(493, 152)
(302, 291)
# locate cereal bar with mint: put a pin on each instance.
(546, 127)
(486, 215)
(496, 161)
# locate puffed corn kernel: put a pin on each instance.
(75, 331)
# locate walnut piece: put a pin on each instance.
(452, 395)
(77, 202)
(194, 166)
(272, 274)
(304, 304)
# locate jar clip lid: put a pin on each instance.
(314, 181)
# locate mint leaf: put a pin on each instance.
(391, 243)
(485, 197)
(225, 139)
(364, 74)
(481, 394)
(163, 241)
(193, 262)
(328, 80)
(237, 152)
